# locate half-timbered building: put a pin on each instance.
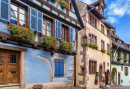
(38, 42)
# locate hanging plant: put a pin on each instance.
(125, 60)
(118, 59)
(63, 4)
(66, 46)
(54, 1)
(49, 42)
(20, 33)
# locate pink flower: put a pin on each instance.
(3, 28)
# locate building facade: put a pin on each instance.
(93, 57)
(38, 42)
(120, 62)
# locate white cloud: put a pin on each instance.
(112, 20)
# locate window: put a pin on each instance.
(47, 27)
(59, 68)
(92, 21)
(12, 58)
(104, 66)
(108, 48)
(121, 68)
(64, 33)
(119, 54)
(92, 67)
(125, 55)
(102, 44)
(92, 39)
(102, 28)
(102, 11)
(85, 39)
(126, 70)
(18, 15)
(108, 33)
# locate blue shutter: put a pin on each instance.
(5, 10)
(61, 68)
(33, 17)
(57, 68)
(39, 21)
(71, 35)
(58, 29)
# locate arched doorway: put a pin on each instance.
(107, 77)
(114, 75)
(100, 73)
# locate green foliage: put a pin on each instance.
(118, 59)
(108, 53)
(54, 0)
(84, 44)
(93, 46)
(126, 73)
(103, 50)
(97, 74)
(63, 4)
(49, 42)
(67, 47)
(125, 60)
(20, 33)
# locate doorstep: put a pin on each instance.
(10, 86)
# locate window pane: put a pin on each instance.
(22, 17)
(13, 20)
(13, 13)
(22, 10)
(14, 7)
(44, 20)
(49, 28)
(48, 22)
(44, 26)
(48, 33)
(22, 23)
(44, 32)
(12, 58)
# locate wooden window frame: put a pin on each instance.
(92, 66)
(108, 48)
(102, 28)
(119, 53)
(92, 21)
(67, 33)
(125, 55)
(19, 5)
(52, 27)
(102, 44)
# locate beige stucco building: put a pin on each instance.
(93, 56)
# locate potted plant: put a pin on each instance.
(118, 59)
(103, 50)
(108, 53)
(49, 42)
(84, 44)
(126, 73)
(125, 60)
(63, 4)
(20, 33)
(95, 46)
(66, 47)
(97, 73)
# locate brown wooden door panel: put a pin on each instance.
(9, 67)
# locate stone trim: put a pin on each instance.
(12, 48)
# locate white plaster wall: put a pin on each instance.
(126, 79)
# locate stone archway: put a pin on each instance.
(114, 75)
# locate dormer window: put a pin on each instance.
(119, 41)
(102, 11)
(70, 6)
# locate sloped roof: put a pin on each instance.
(97, 2)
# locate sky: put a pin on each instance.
(118, 14)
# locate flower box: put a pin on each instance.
(21, 34)
(63, 4)
(125, 60)
(108, 53)
(103, 50)
(118, 59)
(85, 44)
(93, 46)
(66, 47)
(126, 73)
(49, 42)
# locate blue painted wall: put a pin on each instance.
(37, 70)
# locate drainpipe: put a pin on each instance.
(74, 70)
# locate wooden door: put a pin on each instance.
(100, 74)
(9, 67)
(118, 79)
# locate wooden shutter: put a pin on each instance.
(5, 10)
(71, 35)
(61, 68)
(58, 29)
(57, 68)
(39, 21)
(33, 16)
